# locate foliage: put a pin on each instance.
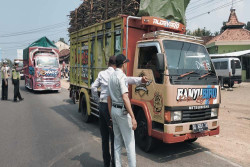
(247, 26)
(62, 40)
(201, 32)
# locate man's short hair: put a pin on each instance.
(112, 60)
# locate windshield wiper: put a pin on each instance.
(188, 73)
(209, 73)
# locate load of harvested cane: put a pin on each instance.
(94, 11)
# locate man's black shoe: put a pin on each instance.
(15, 101)
(21, 99)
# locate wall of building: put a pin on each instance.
(232, 48)
(212, 50)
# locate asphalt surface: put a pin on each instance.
(46, 130)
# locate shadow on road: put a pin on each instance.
(23, 88)
(86, 160)
(161, 154)
(71, 114)
(167, 152)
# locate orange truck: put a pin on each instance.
(181, 100)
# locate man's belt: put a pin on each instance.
(104, 100)
(118, 106)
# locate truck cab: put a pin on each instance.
(181, 100)
(44, 70)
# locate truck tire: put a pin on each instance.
(191, 140)
(73, 97)
(230, 84)
(143, 140)
(83, 109)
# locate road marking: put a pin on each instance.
(221, 158)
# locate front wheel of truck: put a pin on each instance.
(143, 140)
(191, 140)
(83, 109)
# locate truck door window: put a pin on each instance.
(223, 65)
(147, 60)
(237, 64)
(217, 65)
(117, 41)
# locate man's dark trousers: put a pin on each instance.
(16, 89)
(4, 90)
(106, 132)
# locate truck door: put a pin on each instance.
(153, 92)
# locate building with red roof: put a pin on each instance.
(234, 39)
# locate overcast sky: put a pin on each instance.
(49, 18)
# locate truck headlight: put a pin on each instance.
(39, 79)
(176, 116)
(214, 112)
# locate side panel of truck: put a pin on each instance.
(91, 49)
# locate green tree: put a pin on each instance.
(199, 32)
(216, 33)
(62, 40)
(222, 28)
(247, 26)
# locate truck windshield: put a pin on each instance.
(45, 61)
(185, 57)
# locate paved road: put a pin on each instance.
(46, 130)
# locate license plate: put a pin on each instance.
(199, 127)
(236, 82)
(49, 88)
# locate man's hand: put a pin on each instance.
(144, 79)
(134, 124)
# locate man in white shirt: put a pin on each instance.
(123, 118)
(105, 122)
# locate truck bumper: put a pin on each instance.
(171, 136)
(40, 86)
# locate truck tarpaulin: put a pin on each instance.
(42, 42)
(167, 9)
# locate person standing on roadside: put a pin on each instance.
(5, 76)
(16, 80)
(105, 122)
(122, 116)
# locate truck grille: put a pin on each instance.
(196, 115)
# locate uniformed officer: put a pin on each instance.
(105, 123)
(123, 118)
(15, 80)
(5, 76)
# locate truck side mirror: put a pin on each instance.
(160, 63)
(233, 66)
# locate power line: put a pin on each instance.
(25, 44)
(19, 42)
(218, 8)
(199, 5)
(54, 26)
